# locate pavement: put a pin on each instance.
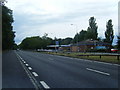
(52, 71)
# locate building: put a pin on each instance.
(83, 46)
(88, 45)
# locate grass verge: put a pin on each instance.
(109, 59)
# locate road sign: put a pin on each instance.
(57, 42)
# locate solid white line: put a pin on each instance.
(26, 64)
(98, 71)
(44, 85)
(103, 62)
(29, 68)
(116, 64)
(35, 74)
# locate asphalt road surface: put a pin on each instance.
(25, 69)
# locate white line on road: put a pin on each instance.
(98, 71)
(20, 58)
(103, 62)
(29, 68)
(23, 60)
(35, 74)
(116, 64)
(26, 64)
(44, 85)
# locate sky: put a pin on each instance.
(37, 17)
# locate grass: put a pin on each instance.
(111, 59)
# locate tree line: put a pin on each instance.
(8, 34)
(90, 33)
(37, 42)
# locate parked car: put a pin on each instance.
(114, 50)
(101, 49)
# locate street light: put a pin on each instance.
(76, 34)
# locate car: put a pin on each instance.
(114, 50)
(101, 49)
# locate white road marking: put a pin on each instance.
(35, 74)
(23, 60)
(29, 68)
(98, 71)
(20, 58)
(26, 64)
(44, 85)
(103, 62)
(116, 64)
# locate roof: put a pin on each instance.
(91, 42)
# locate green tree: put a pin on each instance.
(7, 33)
(82, 35)
(76, 38)
(92, 29)
(35, 42)
(66, 41)
(109, 32)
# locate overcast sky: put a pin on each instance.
(36, 17)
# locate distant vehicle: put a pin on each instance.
(114, 50)
(101, 49)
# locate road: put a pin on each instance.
(52, 71)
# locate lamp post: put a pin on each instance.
(77, 36)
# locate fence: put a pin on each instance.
(100, 55)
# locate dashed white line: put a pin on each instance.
(26, 64)
(23, 60)
(20, 58)
(29, 68)
(44, 85)
(35, 74)
(98, 71)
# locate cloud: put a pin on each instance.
(35, 17)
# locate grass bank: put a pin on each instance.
(110, 59)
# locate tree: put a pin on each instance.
(82, 35)
(75, 40)
(35, 42)
(92, 29)
(66, 41)
(109, 32)
(7, 33)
